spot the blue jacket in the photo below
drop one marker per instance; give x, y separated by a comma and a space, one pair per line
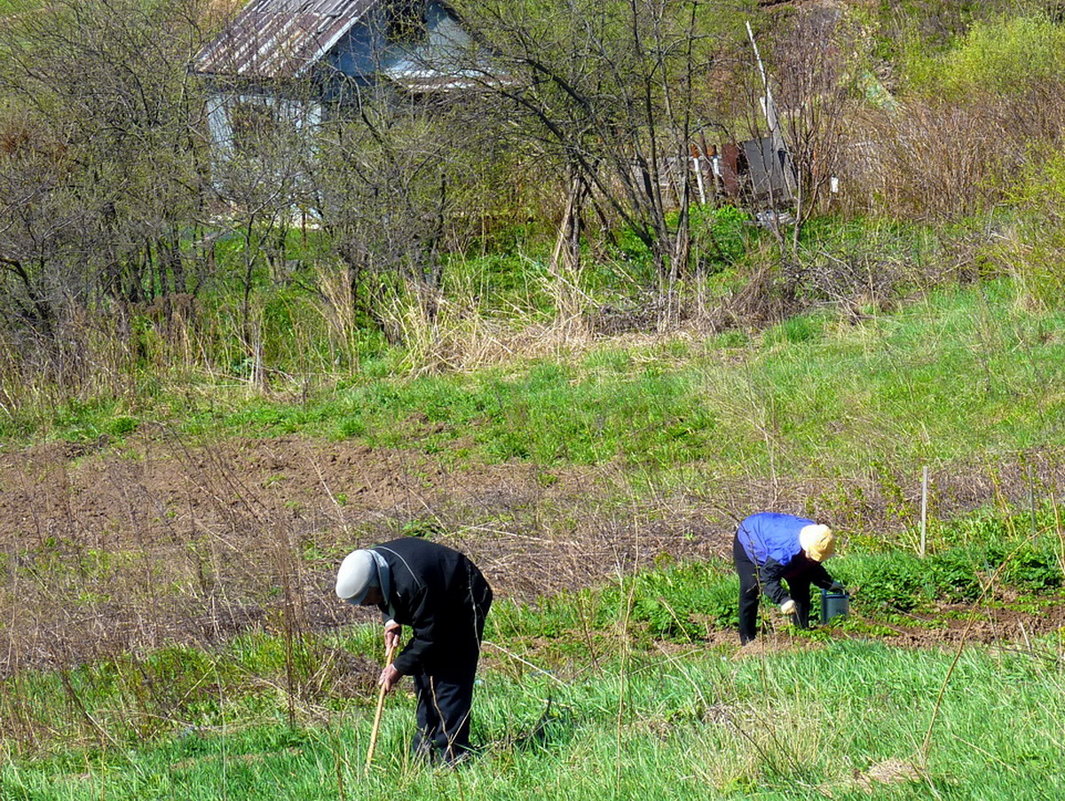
771, 541
769, 535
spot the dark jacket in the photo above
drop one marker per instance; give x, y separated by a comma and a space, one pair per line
442, 596
771, 541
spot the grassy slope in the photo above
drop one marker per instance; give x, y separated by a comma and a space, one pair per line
963, 372
815, 724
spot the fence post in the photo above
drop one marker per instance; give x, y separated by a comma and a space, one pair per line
697, 163
924, 509
1031, 504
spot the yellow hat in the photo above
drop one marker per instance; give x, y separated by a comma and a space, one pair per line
817, 541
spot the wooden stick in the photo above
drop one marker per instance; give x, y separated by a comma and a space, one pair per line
924, 508
377, 714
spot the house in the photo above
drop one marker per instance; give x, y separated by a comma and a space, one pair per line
304, 60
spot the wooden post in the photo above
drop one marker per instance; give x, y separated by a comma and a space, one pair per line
377, 716
924, 509
1031, 504
697, 164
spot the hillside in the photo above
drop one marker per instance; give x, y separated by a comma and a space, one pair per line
536, 321
160, 561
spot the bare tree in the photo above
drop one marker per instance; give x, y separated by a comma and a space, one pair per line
792, 99
608, 89
106, 177
402, 184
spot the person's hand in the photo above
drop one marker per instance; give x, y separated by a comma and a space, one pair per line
788, 607
388, 678
392, 632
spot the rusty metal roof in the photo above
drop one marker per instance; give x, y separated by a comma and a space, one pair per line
279, 38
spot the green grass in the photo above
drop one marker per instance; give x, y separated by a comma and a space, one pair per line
608, 692
962, 372
694, 726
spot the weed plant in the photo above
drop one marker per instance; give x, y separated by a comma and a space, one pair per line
580, 696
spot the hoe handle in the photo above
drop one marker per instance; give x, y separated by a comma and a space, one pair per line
377, 714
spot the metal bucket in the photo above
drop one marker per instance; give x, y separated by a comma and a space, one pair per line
834, 604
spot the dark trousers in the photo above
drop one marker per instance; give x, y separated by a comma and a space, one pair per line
445, 691
751, 591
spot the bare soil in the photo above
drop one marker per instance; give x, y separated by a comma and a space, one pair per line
157, 541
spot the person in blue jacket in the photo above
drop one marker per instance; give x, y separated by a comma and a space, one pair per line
772, 547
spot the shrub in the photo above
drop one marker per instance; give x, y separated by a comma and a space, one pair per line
1030, 250
719, 235
1033, 567
953, 576
979, 113
1002, 57
890, 581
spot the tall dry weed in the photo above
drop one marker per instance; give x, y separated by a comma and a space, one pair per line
928, 161
337, 308
944, 158
454, 332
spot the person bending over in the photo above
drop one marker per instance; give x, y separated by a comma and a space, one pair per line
770, 548
443, 597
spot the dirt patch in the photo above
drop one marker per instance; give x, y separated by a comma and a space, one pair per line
768, 645
951, 624
890, 771
106, 549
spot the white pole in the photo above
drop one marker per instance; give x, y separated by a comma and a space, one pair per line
697, 162
924, 508
769, 108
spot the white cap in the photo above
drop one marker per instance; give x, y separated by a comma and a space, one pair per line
357, 574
